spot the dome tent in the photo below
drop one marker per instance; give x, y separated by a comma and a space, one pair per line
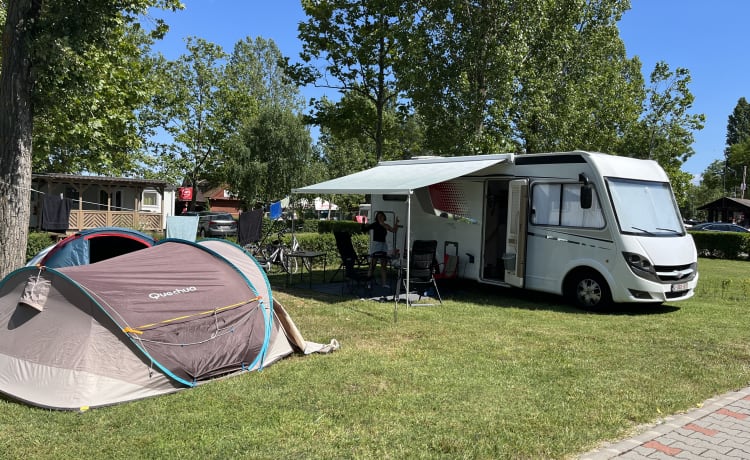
92, 245
145, 323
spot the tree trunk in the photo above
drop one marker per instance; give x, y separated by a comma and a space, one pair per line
16, 126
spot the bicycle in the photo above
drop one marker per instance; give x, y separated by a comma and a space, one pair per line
257, 248
297, 248
274, 256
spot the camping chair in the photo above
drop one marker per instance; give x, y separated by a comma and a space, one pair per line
354, 275
449, 267
346, 251
422, 268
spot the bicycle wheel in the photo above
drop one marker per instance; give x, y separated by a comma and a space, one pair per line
289, 264
296, 247
264, 258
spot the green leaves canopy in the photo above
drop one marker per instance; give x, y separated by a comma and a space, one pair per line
528, 76
45, 49
270, 156
91, 76
357, 44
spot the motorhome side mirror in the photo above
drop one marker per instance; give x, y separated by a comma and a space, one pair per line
586, 196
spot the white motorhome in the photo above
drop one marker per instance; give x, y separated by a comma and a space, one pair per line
590, 226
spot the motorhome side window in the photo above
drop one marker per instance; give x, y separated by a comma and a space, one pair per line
560, 205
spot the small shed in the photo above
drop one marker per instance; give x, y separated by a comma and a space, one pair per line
75, 203
726, 209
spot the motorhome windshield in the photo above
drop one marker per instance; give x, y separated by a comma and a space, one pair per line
644, 208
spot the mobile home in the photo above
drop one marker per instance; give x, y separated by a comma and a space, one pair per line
594, 227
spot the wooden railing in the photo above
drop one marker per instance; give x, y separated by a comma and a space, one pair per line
144, 221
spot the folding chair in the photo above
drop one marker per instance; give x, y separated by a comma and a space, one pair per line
347, 253
351, 263
422, 268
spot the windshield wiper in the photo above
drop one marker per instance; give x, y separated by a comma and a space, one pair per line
642, 230
669, 230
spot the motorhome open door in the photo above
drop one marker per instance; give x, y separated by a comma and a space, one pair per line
514, 258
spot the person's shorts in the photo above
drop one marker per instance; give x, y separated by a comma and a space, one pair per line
379, 249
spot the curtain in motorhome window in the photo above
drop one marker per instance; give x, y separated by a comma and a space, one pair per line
545, 202
560, 204
573, 215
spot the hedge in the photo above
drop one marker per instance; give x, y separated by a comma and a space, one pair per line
36, 243
722, 245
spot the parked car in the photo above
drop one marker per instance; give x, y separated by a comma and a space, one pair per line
214, 223
689, 223
720, 227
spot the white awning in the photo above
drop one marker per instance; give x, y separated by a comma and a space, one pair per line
397, 177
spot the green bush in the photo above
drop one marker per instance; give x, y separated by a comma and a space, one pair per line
325, 242
722, 245
36, 242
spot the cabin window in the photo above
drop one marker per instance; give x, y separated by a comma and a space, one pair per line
560, 205
150, 199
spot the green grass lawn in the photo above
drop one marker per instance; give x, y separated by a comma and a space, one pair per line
489, 374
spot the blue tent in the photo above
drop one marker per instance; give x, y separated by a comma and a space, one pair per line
92, 245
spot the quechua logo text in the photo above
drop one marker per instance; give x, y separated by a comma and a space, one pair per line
178, 291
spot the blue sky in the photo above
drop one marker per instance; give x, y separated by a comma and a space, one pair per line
708, 38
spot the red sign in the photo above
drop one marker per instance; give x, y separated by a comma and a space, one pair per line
185, 193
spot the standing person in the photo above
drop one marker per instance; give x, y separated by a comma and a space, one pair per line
379, 246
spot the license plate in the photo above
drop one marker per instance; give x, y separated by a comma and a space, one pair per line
679, 287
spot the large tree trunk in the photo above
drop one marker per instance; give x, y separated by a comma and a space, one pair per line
16, 127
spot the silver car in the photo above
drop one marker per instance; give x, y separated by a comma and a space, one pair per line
215, 223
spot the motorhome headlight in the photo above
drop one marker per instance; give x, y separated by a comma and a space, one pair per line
641, 266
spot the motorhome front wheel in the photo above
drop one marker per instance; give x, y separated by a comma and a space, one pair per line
589, 290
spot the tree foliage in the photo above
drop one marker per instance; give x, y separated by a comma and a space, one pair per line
738, 126
520, 76
254, 78
87, 120
665, 129
87, 95
271, 155
211, 103
738, 157
192, 111
502, 75
666, 125
268, 149
738, 138
459, 66
356, 42
46, 47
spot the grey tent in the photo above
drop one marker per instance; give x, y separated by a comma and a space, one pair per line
145, 323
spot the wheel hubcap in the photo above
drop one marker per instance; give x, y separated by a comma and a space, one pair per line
589, 292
